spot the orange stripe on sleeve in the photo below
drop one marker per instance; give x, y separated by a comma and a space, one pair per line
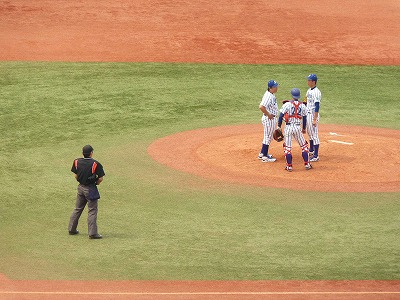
94, 167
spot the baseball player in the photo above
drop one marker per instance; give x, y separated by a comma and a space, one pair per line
269, 108
295, 127
313, 98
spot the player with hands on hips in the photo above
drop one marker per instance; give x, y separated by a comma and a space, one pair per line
269, 108
296, 122
313, 97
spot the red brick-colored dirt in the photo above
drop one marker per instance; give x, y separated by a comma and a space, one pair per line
229, 153
223, 31
196, 290
226, 31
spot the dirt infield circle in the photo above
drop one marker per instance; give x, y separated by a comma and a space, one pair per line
353, 159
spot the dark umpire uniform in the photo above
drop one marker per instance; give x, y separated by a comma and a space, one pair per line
89, 173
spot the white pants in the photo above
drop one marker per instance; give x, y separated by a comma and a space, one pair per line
312, 130
294, 131
269, 127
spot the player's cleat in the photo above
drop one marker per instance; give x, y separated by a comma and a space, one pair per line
260, 156
289, 168
314, 158
308, 166
95, 236
268, 158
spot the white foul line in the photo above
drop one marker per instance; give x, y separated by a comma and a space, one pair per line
196, 293
340, 142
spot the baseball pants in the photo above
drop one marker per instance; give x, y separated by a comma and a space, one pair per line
269, 127
294, 131
312, 131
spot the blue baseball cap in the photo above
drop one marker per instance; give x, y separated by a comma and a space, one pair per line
295, 93
272, 83
312, 77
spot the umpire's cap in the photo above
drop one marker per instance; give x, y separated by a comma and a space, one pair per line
272, 83
86, 150
295, 93
312, 77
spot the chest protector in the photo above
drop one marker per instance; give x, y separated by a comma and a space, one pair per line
293, 113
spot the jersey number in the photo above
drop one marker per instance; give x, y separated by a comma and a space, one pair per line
295, 112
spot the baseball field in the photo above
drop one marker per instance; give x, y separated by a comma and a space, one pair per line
167, 93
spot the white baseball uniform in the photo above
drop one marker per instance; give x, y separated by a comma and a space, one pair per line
313, 96
295, 111
271, 105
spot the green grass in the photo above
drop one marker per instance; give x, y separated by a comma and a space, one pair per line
159, 223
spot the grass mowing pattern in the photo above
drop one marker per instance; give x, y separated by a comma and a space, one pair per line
162, 224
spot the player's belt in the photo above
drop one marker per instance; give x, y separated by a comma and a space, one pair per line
292, 123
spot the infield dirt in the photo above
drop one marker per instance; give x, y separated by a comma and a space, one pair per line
229, 31
229, 153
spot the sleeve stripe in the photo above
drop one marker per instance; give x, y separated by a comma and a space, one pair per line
94, 167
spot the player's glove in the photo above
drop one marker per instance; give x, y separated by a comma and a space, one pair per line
278, 135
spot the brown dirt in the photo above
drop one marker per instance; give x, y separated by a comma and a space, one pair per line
231, 31
350, 158
196, 290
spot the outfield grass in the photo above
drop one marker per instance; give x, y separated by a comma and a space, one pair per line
159, 223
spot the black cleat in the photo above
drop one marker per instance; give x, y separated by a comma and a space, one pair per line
95, 236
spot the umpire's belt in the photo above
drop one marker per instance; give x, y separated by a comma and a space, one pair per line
87, 185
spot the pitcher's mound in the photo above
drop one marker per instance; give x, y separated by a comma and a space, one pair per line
352, 159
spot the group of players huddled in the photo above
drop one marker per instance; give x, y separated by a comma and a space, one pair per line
299, 117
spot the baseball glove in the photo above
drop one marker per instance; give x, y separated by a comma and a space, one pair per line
278, 135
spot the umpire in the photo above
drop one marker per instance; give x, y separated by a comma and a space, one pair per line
89, 173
